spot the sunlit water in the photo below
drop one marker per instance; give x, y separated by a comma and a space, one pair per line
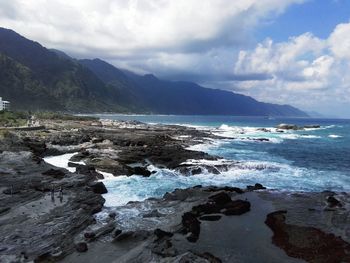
307, 160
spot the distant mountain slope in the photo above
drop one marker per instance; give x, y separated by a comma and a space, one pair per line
34, 77
179, 97
74, 87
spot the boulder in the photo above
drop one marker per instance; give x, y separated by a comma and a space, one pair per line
58, 174
81, 247
284, 126
98, 188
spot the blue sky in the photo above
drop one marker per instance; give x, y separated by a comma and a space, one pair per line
280, 51
317, 16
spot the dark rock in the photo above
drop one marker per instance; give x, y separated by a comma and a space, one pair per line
333, 202
236, 207
81, 247
116, 232
287, 127
98, 187
210, 257
255, 187
221, 198
210, 217
112, 214
89, 235
58, 174
307, 243
162, 234
153, 213
123, 236
11, 191
138, 170
89, 171
225, 188
197, 170
191, 225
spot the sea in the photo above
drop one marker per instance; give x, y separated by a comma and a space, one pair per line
313, 159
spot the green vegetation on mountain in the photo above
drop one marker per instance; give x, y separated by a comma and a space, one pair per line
33, 77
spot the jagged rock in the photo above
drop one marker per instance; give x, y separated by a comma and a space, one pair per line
161, 233
333, 202
236, 207
307, 243
98, 187
257, 186
138, 170
191, 225
284, 126
59, 174
221, 198
81, 247
210, 217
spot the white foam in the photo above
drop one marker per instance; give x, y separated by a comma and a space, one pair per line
334, 136
61, 161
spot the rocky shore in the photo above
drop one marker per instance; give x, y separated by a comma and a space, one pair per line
49, 214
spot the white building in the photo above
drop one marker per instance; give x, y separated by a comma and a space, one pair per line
4, 105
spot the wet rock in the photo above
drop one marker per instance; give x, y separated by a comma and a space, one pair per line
210, 257
138, 170
284, 126
221, 198
89, 235
153, 213
307, 243
236, 207
58, 174
257, 186
191, 225
11, 191
162, 234
225, 188
116, 232
81, 247
333, 202
89, 171
210, 217
98, 187
123, 236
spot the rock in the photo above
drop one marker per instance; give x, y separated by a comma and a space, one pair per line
153, 213
89, 235
123, 236
284, 126
191, 225
89, 171
221, 198
333, 202
81, 247
210, 218
307, 243
116, 232
255, 187
161, 233
98, 188
59, 174
11, 191
138, 170
112, 215
197, 170
210, 257
236, 207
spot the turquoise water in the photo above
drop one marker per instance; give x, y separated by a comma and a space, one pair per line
307, 160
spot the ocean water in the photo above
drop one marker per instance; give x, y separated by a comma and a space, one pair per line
305, 160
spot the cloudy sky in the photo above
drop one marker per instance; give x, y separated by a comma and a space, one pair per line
280, 51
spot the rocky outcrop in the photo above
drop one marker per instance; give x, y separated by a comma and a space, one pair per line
307, 243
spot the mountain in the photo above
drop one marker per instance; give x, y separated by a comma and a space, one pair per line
70, 85
180, 97
33, 77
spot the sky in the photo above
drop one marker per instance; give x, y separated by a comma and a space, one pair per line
293, 52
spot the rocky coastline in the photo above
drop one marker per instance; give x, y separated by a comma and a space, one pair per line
49, 214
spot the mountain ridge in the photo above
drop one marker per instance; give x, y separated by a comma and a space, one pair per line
94, 85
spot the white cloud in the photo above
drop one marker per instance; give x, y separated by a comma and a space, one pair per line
305, 71
123, 27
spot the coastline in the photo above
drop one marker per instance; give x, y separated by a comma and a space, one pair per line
128, 148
